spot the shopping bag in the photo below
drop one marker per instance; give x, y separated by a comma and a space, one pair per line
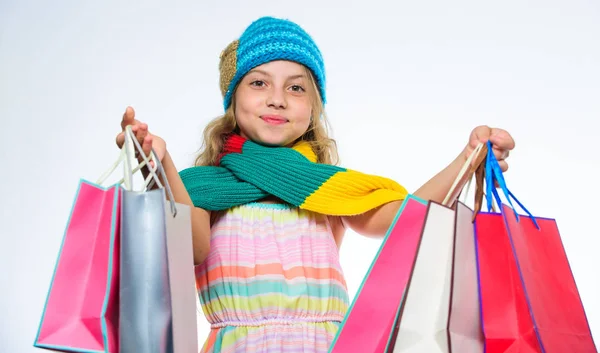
82, 306
80, 313
369, 320
529, 299
464, 323
424, 323
423, 316
157, 306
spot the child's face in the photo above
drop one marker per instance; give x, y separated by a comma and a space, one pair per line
273, 103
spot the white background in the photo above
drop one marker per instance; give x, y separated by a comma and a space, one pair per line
407, 81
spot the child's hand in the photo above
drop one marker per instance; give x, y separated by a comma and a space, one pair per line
145, 138
502, 143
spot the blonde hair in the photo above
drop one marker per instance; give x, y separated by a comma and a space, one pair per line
317, 134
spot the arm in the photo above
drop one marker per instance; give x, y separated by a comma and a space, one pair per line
375, 223
200, 217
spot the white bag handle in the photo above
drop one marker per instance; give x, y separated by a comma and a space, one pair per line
132, 146
449, 199
111, 169
153, 175
126, 156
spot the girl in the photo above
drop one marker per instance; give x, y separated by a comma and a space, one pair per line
270, 207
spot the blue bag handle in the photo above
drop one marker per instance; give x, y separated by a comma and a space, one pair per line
493, 174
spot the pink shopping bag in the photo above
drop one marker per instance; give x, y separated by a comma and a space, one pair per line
81, 310
370, 319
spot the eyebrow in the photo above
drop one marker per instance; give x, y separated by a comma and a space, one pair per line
267, 74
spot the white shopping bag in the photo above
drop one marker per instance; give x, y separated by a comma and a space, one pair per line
443, 281
423, 317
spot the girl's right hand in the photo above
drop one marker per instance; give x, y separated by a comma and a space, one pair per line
145, 138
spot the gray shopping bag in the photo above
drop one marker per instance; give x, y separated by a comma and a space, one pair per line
157, 299
464, 326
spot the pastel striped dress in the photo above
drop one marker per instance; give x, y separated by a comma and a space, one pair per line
272, 282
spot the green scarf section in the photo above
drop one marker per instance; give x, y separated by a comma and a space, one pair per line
248, 172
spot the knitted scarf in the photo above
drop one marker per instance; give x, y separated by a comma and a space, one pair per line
248, 172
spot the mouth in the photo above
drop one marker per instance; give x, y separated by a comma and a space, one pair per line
273, 119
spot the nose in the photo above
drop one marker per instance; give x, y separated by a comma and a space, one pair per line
276, 99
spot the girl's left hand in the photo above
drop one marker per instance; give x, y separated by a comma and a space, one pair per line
502, 143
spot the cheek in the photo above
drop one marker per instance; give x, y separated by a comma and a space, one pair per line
306, 121
304, 115
248, 100
246, 108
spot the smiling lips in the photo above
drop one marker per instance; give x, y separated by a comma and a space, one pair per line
274, 119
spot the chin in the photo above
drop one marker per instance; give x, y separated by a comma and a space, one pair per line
274, 140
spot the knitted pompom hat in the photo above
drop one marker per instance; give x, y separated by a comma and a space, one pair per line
268, 39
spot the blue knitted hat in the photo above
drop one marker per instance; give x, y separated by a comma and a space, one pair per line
268, 39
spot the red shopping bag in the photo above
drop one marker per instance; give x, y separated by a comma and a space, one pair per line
81, 310
529, 298
370, 319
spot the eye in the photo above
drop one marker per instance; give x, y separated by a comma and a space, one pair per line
297, 88
257, 83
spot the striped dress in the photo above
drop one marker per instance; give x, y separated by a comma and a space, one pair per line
272, 282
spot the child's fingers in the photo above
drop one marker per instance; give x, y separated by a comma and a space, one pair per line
141, 132
128, 117
147, 145
120, 139
503, 166
500, 154
502, 139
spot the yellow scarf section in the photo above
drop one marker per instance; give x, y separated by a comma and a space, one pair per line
349, 192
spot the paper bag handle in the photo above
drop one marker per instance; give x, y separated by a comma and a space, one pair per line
128, 145
475, 159
153, 176
126, 155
